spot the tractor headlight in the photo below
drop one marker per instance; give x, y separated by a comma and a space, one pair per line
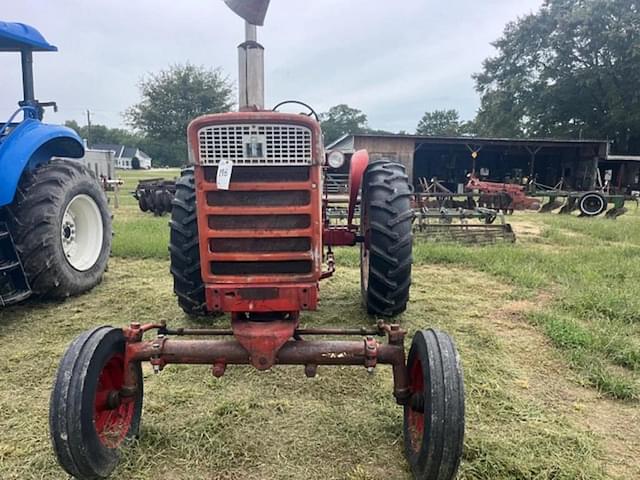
335, 159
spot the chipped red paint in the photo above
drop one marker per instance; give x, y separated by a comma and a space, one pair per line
263, 339
265, 284
112, 412
277, 342
279, 297
339, 237
517, 193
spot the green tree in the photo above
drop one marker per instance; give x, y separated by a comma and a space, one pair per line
340, 120
572, 69
441, 122
170, 100
103, 134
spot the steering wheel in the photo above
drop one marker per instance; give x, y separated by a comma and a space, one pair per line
297, 102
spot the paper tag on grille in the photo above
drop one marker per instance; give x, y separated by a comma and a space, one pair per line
225, 167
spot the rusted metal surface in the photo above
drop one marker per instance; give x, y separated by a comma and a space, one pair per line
262, 297
263, 339
265, 342
222, 332
222, 353
340, 237
454, 225
265, 232
503, 196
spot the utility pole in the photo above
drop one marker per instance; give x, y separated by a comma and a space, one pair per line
88, 128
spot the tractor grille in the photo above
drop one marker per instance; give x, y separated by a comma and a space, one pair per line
262, 226
255, 145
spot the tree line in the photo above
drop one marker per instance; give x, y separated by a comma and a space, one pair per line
570, 70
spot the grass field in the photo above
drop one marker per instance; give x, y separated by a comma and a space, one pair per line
548, 330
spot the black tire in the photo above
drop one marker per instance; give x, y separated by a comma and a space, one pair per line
86, 437
185, 249
36, 222
150, 200
385, 255
167, 199
436, 407
592, 204
142, 202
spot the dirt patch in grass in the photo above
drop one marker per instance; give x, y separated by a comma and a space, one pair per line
525, 229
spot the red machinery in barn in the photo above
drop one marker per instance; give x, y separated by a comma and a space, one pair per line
250, 237
502, 196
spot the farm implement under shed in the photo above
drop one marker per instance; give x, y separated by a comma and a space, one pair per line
250, 236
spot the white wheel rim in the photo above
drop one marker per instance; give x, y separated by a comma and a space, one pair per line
82, 232
592, 211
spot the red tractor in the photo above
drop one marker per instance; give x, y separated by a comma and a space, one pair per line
502, 196
250, 237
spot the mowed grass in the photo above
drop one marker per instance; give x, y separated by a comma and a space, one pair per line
590, 273
542, 327
344, 424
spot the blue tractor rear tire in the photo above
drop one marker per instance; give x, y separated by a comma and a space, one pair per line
37, 219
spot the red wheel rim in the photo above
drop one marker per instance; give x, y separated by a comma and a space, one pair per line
416, 418
112, 422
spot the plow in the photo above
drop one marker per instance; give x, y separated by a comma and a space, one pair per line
480, 226
251, 238
509, 197
444, 216
155, 195
477, 215
589, 204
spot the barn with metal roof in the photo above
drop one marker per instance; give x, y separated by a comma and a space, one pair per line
451, 159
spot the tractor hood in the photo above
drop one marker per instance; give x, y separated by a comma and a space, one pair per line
15, 37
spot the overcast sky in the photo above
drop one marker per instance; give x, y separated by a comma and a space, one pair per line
392, 59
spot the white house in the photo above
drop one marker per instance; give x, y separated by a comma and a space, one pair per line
127, 158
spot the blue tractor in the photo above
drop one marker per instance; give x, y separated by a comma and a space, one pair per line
55, 224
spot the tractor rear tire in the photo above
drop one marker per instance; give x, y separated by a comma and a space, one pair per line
89, 419
385, 256
184, 247
61, 225
434, 415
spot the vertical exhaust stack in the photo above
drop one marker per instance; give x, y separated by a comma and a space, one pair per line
251, 67
251, 53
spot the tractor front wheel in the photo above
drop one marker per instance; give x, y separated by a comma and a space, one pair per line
90, 414
61, 225
385, 255
434, 415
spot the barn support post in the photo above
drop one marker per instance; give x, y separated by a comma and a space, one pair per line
532, 163
475, 150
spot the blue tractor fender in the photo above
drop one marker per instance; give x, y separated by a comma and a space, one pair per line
30, 144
